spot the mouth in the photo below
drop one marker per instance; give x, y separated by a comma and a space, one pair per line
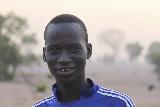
65, 71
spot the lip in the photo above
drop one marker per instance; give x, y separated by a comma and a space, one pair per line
65, 73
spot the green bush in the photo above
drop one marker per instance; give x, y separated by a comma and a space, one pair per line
41, 88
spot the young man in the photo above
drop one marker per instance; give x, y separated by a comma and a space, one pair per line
66, 52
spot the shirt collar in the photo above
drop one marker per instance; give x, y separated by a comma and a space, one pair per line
84, 92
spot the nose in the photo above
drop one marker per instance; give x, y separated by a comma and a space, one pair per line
64, 58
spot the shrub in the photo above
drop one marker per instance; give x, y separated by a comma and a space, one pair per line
41, 88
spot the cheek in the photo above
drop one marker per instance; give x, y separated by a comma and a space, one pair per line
50, 58
51, 66
80, 62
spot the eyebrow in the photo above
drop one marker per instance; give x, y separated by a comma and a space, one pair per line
51, 46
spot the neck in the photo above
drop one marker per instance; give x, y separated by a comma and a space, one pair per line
71, 91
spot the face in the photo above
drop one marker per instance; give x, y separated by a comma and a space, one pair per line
66, 51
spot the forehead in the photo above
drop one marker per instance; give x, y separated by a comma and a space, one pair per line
68, 26
61, 31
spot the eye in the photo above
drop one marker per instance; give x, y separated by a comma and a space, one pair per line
53, 50
75, 49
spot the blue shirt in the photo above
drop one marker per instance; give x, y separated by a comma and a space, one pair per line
95, 96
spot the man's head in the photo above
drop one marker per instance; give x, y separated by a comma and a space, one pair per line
67, 48
68, 18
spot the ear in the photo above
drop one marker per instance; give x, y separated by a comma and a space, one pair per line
44, 54
89, 50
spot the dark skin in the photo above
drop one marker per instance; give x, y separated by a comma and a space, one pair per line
66, 52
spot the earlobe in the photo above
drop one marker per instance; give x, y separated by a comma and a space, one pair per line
44, 54
89, 50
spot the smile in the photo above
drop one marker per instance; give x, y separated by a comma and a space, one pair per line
65, 70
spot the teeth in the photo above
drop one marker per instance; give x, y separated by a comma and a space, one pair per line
62, 70
65, 70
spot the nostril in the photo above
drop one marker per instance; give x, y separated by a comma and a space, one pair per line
64, 59
64, 63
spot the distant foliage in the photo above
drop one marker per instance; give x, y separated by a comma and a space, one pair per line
134, 50
10, 58
14, 39
112, 38
41, 88
107, 59
153, 55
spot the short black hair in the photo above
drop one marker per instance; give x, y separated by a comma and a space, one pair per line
68, 18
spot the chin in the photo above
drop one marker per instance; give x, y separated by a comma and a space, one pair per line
68, 80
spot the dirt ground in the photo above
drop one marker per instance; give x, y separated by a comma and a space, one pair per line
142, 87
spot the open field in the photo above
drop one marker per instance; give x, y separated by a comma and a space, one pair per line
22, 91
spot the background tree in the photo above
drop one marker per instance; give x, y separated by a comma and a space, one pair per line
14, 37
134, 50
153, 56
112, 38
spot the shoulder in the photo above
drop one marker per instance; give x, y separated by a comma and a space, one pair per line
43, 101
116, 96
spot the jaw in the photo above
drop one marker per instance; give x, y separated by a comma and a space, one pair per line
70, 78
71, 74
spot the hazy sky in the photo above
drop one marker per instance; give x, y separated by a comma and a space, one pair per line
138, 19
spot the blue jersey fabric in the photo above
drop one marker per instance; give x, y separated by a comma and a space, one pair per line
95, 96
